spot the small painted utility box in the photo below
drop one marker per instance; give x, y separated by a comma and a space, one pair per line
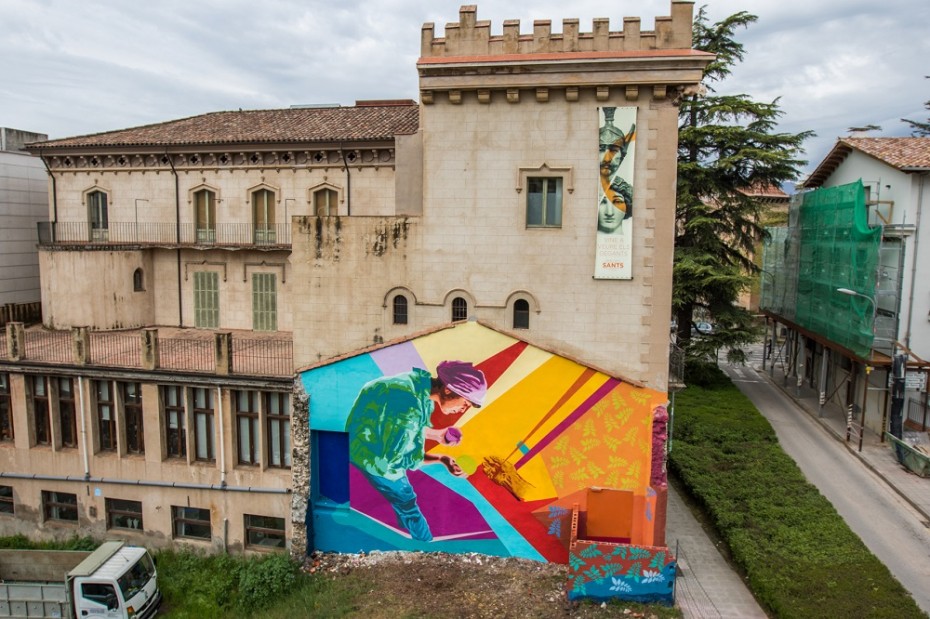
602, 566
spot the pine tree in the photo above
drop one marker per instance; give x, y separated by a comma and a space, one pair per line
920, 129
728, 144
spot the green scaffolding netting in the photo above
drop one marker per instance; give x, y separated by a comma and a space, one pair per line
827, 246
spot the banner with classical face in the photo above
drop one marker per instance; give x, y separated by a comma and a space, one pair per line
616, 155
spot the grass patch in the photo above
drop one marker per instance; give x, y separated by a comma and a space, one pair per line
800, 557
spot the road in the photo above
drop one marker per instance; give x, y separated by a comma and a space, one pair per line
888, 525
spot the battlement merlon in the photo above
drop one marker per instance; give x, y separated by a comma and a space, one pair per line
472, 38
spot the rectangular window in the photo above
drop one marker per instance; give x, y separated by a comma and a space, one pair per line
205, 215
124, 514
106, 418
6, 499
246, 403
59, 506
278, 409
40, 410
172, 398
190, 522
264, 531
132, 407
207, 299
263, 202
203, 424
67, 411
264, 302
6, 411
544, 202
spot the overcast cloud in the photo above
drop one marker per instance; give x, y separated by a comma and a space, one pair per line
76, 67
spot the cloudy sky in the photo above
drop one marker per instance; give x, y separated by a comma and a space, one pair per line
72, 67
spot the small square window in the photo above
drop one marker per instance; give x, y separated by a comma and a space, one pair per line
124, 514
191, 522
264, 531
59, 506
6, 500
544, 202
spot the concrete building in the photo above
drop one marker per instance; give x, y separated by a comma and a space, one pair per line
23, 203
848, 283
532, 188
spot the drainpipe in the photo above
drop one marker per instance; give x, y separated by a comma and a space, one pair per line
219, 404
143, 483
177, 233
83, 428
348, 181
910, 296
54, 194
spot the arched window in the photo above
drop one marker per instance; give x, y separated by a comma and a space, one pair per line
521, 314
400, 310
205, 215
325, 202
98, 215
459, 309
263, 216
138, 280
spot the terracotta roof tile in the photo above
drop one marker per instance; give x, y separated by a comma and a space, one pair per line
897, 152
294, 125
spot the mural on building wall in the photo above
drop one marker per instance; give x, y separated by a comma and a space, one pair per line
468, 440
616, 154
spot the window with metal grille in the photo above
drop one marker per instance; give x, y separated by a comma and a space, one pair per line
459, 309
6, 499
190, 522
98, 215
544, 202
278, 411
264, 302
124, 514
106, 420
204, 437
40, 410
521, 314
325, 202
246, 403
6, 412
132, 409
59, 506
263, 216
205, 215
400, 310
207, 299
172, 398
264, 531
67, 412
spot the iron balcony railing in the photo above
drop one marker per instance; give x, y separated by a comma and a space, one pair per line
163, 234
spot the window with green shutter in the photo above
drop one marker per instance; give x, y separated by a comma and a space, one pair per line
264, 302
207, 299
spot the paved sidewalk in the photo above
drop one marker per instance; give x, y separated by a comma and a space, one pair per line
706, 587
876, 455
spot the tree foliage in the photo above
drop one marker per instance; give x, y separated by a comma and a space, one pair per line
920, 129
728, 145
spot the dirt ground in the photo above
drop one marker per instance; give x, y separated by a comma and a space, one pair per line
467, 586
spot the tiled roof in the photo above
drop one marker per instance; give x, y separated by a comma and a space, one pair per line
760, 190
367, 121
900, 153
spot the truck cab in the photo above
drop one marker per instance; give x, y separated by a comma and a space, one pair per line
115, 581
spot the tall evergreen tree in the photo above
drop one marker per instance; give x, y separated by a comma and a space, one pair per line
728, 144
920, 129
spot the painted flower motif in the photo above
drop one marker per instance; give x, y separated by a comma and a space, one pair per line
620, 585
652, 576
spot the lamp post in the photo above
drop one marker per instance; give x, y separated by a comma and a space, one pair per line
853, 293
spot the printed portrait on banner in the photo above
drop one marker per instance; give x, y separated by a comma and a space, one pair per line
616, 155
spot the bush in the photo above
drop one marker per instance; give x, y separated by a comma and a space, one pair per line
800, 557
21, 542
265, 581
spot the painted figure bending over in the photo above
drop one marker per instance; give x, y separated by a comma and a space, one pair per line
389, 424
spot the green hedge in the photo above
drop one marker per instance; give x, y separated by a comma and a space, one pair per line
800, 557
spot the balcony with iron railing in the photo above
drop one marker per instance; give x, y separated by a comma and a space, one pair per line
194, 351
164, 234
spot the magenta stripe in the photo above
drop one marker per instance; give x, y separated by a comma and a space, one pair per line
593, 399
